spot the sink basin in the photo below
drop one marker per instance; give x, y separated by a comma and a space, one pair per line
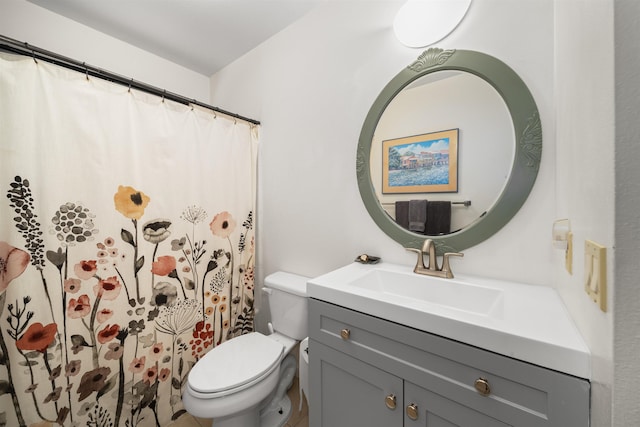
526, 322
450, 293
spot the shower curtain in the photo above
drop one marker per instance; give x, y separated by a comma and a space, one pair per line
126, 246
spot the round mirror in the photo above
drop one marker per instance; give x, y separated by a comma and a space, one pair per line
450, 150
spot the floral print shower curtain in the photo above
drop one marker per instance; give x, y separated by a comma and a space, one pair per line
126, 246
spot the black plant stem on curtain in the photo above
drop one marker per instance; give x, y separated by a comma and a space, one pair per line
23, 48
7, 363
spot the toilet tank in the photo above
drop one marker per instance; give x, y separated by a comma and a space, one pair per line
288, 303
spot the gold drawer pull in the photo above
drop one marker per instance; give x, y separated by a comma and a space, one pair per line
345, 334
482, 386
390, 401
412, 411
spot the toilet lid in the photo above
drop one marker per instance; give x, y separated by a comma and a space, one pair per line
235, 362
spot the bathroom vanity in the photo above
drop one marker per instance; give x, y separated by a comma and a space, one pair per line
370, 366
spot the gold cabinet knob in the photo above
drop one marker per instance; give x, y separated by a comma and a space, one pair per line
482, 386
345, 334
412, 411
390, 401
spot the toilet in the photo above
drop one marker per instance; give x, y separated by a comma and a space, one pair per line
244, 381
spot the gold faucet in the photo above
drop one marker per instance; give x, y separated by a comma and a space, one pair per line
428, 247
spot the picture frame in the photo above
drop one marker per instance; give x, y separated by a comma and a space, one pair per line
425, 163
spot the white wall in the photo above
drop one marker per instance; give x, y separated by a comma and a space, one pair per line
26, 22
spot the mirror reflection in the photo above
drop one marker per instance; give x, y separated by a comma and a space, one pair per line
442, 152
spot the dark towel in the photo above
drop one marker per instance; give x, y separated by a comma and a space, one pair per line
417, 215
402, 213
438, 218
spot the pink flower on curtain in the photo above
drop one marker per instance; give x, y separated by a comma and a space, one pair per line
13, 262
104, 315
79, 308
108, 289
137, 364
150, 375
85, 269
164, 265
115, 352
72, 368
37, 337
164, 374
156, 351
222, 225
72, 285
130, 202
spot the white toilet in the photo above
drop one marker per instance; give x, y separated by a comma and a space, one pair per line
244, 381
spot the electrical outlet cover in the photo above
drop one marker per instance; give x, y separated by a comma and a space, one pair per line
595, 273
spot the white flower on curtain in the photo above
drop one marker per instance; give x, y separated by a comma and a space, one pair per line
106, 303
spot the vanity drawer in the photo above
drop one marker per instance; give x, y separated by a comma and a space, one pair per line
520, 393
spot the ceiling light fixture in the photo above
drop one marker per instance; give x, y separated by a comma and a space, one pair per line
420, 23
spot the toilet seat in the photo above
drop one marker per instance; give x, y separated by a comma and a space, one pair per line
235, 365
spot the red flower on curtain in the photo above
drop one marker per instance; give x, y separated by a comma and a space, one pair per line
108, 289
37, 337
108, 333
164, 265
13, 262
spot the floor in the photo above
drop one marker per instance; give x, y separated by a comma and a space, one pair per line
297, 419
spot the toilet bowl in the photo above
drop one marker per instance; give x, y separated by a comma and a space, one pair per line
243, 382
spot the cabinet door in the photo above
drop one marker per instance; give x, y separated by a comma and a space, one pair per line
346, 392
432, 410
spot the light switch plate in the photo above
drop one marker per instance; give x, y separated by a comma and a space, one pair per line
595, 273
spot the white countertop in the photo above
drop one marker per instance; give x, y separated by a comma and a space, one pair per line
525, 322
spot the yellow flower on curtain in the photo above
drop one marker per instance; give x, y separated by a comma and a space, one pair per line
130, 202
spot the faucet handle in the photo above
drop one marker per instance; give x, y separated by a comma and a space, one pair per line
445, 263
420, 262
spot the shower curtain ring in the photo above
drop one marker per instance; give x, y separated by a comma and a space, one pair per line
33, 52
86, 70
130, 83
163, 94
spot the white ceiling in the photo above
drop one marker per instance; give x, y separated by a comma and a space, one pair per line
202, 35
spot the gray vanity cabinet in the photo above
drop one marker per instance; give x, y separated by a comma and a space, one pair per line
367, 372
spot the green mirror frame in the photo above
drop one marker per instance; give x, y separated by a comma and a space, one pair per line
526, 161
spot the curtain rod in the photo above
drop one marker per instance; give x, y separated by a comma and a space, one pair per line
23, 48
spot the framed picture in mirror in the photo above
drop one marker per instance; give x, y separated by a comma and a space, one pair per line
426, 163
